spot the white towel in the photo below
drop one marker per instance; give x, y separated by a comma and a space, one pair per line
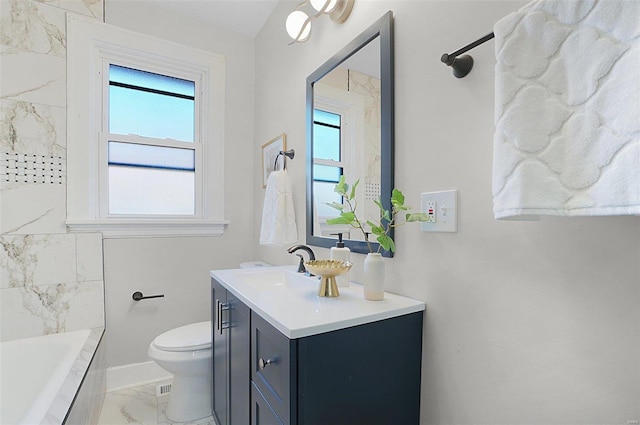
567, 109
278, 217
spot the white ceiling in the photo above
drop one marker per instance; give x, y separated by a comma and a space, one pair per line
242, 16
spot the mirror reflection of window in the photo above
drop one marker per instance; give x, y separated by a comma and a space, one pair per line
327, 161
346, 140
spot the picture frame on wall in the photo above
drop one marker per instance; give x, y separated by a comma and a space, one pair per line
270, 151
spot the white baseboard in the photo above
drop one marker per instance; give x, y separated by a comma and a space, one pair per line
135, 374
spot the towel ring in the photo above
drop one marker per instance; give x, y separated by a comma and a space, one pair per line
289, 153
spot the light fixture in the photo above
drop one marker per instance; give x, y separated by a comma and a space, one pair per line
298, 22
298, 26
324, 5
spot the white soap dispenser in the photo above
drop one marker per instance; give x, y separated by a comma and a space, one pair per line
342, 253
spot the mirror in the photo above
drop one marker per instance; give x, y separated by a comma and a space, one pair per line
350, 131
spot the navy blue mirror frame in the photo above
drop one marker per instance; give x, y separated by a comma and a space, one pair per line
382, 28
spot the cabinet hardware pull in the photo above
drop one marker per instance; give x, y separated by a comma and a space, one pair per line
220, 307
262, 363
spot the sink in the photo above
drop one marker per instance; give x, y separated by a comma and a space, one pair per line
272, 279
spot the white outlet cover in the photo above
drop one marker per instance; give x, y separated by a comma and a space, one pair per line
446, 202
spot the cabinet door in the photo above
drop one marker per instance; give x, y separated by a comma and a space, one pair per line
220, 357
363, 375
239, 335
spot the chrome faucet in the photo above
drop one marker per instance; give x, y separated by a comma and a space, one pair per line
312, 256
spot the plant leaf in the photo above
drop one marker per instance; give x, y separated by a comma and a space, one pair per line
416, 217
344, 218
387, 243
341, 187
397, 199
375, 228
353, 190
338, 206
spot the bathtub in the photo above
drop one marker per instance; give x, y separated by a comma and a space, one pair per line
41, 378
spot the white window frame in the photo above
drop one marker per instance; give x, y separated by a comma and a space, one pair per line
91, 47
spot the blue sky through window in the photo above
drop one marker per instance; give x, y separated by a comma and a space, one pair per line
151, 105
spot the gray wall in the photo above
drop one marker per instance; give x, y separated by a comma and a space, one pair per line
527, 322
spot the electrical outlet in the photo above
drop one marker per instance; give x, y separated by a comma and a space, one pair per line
442, 210
431, 212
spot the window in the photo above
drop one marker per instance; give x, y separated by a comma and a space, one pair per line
338, 133
145, 134
327, 160
155, 172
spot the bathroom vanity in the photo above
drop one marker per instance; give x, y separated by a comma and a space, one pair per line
283, 355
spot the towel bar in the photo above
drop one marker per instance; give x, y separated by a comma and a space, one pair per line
462, 65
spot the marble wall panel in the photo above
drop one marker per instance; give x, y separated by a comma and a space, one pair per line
33, 77
32, 208
30, 260
94, 8
50, 280
45, 309
89, 256
32, 128
33, 27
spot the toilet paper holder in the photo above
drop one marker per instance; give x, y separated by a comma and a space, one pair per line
137, 296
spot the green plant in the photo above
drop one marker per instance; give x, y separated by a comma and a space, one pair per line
387, 219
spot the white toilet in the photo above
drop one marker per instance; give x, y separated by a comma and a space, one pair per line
186, 353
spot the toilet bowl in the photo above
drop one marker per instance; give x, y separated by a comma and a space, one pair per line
185, 352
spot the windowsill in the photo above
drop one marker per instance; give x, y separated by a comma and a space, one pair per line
149, 228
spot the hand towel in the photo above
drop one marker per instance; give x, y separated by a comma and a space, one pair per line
278, 217
567, 109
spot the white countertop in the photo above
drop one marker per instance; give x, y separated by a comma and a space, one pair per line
294, 308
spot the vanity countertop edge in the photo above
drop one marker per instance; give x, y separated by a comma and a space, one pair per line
299, 313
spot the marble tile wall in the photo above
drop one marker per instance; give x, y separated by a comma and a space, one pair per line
50, 280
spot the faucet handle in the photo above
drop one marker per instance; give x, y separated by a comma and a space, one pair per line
301, 267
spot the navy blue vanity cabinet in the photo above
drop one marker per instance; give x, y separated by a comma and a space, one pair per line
367, 374
230, 382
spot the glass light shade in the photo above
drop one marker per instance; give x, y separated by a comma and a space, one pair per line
295, 22
319, 4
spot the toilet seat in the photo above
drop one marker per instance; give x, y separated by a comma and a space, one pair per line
196, 336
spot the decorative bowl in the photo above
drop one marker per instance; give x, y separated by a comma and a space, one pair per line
328, 270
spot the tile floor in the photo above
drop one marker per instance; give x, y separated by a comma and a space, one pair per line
140, 405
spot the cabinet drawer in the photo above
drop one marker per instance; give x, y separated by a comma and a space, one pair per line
273, 366
261, 411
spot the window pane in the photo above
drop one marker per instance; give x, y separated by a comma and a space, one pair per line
149, 80
151, 156
135, 190
151, 105
147, 179
323, 193
325, 117
327, 173
326, 142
